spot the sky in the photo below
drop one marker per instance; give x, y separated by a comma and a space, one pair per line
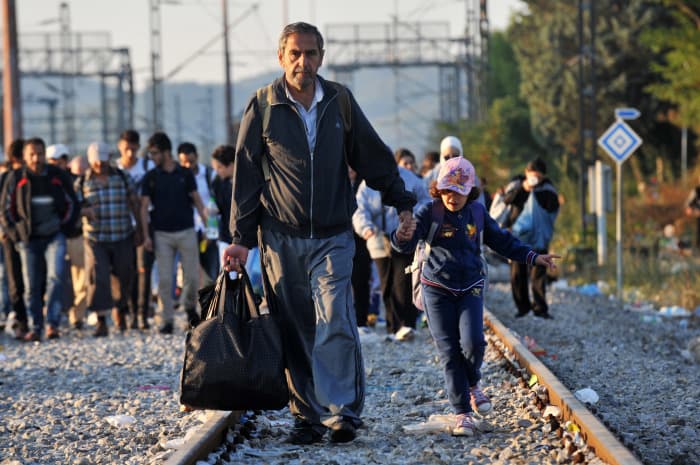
187, 25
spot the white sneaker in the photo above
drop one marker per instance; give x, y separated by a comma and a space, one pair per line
405, 333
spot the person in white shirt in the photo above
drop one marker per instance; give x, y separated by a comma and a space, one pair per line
203, 175
130, 163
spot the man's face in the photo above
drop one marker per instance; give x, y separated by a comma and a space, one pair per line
300, 59
222, 170
157, 155
34, 157
187, 160
128, 150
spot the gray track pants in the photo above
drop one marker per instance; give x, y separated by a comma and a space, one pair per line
311, 292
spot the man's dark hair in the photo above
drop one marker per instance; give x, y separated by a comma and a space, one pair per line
130, 136
538, 165
14, 151
187, 148
299, 28
224, 154
35, 141
160, 141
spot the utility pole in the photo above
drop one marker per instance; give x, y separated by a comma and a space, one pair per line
227, 75
156, 67
67, 75
12, 106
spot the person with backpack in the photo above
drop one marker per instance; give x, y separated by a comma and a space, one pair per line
38, 207
203, 176
534, 205
291, 186
168, 198
108, 204
452, 281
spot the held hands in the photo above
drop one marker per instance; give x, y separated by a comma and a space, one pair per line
407, 226
235, 257
547, 260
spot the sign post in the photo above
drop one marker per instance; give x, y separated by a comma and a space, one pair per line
620, 142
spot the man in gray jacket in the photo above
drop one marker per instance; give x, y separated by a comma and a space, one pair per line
296, 139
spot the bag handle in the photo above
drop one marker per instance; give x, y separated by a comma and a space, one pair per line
217, 305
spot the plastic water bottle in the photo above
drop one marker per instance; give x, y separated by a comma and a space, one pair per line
212, 228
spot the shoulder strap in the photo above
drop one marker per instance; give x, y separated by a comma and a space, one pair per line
343, 97
264, 96
437, 213
122, 175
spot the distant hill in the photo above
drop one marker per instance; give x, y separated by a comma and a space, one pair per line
195, 111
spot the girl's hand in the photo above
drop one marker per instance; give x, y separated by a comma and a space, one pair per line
547, 260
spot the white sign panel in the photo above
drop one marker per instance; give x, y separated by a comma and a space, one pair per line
620, 141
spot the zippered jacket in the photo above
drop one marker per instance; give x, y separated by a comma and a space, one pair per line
16, 201
454, 262
308, 193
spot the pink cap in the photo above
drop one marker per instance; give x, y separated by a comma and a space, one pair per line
456, 174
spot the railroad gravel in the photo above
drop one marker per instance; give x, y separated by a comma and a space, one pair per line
645, 368
79, 400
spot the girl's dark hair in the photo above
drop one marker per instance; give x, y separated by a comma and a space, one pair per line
435, 192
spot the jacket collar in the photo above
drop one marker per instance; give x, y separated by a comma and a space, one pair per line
279, 94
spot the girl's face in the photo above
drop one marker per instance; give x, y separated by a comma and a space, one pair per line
453, 201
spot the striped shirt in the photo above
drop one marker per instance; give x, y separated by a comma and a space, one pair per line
109, 200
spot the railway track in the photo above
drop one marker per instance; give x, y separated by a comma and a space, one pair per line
523, 389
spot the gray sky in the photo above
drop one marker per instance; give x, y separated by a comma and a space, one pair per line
189, 24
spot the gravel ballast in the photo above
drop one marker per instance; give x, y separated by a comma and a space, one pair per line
80, 400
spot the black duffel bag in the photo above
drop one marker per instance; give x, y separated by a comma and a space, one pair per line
233, 359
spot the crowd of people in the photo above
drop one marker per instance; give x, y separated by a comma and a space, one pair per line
313, 191
84, 233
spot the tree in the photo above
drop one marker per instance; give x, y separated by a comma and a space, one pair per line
545, 39
680, 67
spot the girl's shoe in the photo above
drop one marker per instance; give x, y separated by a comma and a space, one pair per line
479, 401
464, 425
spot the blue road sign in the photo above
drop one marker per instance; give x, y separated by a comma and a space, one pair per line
627, 113
619, 141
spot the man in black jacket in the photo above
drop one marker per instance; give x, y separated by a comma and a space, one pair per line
296, 140
38, 207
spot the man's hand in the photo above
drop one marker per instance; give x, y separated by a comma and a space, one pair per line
234, 257
148, 243
547, 260
407, 226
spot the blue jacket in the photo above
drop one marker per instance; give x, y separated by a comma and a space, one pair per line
454, 262
535, 224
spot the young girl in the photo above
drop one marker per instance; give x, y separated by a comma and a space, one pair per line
453, 281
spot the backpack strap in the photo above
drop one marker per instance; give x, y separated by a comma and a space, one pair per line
437, 213
264, 97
